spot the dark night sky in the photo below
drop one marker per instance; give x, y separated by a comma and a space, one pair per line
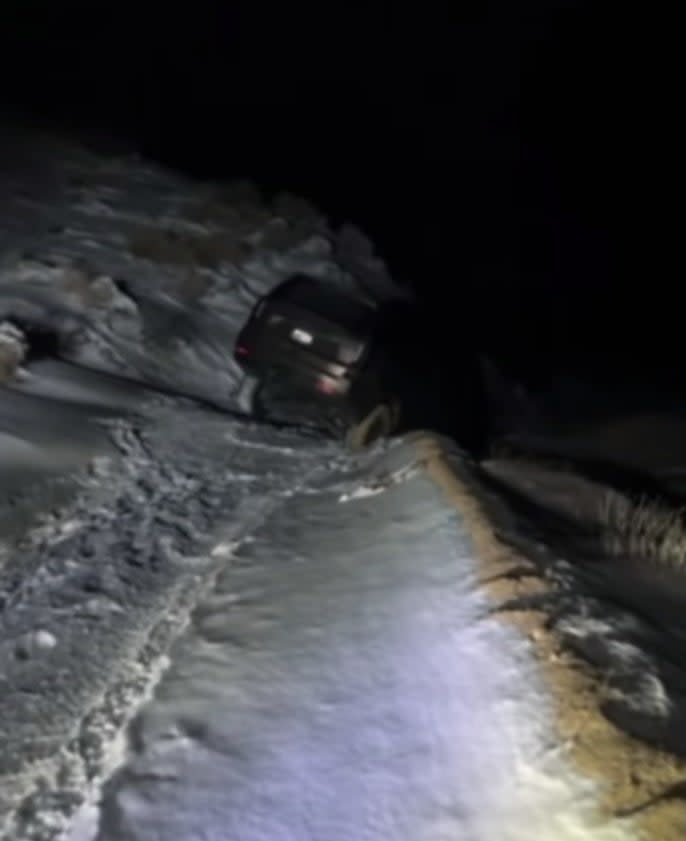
509, 159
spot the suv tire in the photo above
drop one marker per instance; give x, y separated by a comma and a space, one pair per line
377, 424
248, 397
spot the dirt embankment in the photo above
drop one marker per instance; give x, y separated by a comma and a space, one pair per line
634, 778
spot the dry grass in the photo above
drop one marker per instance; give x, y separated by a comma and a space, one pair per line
180, 248
91, 290
633, 778
237, 207
645, 530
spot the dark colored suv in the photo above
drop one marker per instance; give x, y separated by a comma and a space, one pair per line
311, 353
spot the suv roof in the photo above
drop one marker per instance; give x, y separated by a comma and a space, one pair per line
321, 299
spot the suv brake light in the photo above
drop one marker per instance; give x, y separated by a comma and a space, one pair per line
329, 385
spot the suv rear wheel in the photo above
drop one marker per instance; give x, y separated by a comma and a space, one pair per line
396, 414
377, 424
248, 396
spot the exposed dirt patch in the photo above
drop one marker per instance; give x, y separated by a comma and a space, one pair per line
182, 248
90, 290
237, 207
13, 349
634, 779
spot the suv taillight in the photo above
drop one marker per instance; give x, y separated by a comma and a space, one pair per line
330, 385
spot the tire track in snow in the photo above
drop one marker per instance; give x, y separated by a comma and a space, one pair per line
113, 586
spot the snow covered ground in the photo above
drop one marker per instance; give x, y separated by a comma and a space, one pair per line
215, 629
341, 679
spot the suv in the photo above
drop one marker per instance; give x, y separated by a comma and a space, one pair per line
313, 349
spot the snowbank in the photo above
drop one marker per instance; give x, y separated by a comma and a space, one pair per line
140, 271
343, 678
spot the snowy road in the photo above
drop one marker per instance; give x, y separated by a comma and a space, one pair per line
305, 641
234, 632
341, 679
100, 588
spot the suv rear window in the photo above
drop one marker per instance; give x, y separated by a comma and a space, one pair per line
329, 304
332, 345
